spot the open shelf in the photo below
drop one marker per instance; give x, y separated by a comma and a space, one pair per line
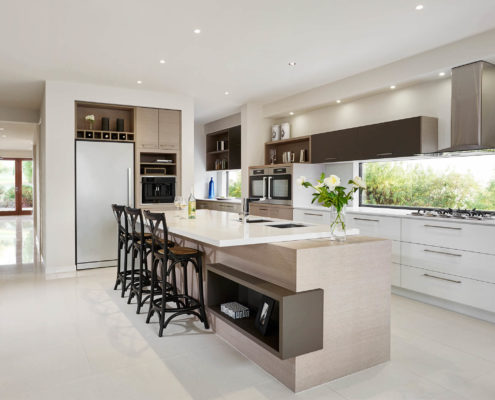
149, 164
296, 323
110, 111
105, 135
230, 156
294, 145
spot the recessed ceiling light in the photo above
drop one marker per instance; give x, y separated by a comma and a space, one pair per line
392, 87
419, 7
338, 101
162, 61
292, 63
1, 129
291, 113
197, 31
139, 82
441, 74
4, 136
226, 93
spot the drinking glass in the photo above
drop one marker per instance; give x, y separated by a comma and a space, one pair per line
183, 203
177, 201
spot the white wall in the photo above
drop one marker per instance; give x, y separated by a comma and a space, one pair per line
16, 153
223, 123
57, 131
14, 114
255, 131
200, 179
429, 99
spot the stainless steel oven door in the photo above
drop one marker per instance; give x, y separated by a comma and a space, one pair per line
257, 187
280, 189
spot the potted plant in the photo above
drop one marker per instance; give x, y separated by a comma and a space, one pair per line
329, 193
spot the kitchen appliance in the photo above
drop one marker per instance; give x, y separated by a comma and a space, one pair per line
156, 189
271, 185
455, 214
104, 176
473, 102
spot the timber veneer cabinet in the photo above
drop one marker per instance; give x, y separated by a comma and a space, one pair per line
159, 129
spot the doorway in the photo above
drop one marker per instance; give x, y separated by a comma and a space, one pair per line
16, 186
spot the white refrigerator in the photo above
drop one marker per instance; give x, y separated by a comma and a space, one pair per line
104, 176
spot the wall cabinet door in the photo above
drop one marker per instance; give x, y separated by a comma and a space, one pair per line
147, 127
390, 139
334, 146
169, 129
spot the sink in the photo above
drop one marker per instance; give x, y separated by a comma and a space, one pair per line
290, 225
257, 221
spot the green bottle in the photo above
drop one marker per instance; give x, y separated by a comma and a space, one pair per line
191, 205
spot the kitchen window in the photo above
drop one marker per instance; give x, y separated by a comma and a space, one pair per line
465, 182
234, 183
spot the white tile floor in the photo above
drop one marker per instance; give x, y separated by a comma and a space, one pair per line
75, 338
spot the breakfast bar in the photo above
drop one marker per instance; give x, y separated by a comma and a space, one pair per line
331, 299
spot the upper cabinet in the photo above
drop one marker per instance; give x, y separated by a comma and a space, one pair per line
400, 138
169, 128
223, 149
158, 129
334, 146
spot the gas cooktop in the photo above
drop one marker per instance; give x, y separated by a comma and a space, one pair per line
455, 213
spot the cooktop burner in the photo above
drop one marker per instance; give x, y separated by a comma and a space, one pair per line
457, 214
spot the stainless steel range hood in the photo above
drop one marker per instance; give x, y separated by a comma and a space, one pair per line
473, 107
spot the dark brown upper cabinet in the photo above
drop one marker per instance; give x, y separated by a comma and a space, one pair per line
228, 156
334, 146
400, 138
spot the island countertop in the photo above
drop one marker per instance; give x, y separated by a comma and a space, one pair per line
223, 229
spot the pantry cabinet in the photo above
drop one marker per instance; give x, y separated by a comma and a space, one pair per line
158, 129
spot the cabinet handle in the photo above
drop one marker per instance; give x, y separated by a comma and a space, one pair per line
384, 154
442, 279
330, 158
366, 219
442, 252
443, 227
148, 146
263, 209
316, 215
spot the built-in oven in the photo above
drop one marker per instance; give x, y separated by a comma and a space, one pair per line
271, 185
158, 189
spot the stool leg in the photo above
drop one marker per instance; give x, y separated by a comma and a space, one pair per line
201, 295
164, 299
119, 272
154, 279
133, 270
186, 285
124, 274
139, 295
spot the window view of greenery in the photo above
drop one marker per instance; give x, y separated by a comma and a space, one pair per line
7, 185
234, 183
453, 182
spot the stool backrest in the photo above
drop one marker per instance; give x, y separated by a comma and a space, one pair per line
158, 229
119, 212
136, 223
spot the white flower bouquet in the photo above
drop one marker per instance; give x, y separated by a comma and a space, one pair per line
330, 193
91, 119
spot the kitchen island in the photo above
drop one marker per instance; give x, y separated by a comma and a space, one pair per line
332, 299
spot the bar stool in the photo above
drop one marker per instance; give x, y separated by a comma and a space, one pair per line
123, 243
140, 278
184, 302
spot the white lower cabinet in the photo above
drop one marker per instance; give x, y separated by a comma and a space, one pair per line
376, 226
449, 287
396, 281
461, 263
320, 217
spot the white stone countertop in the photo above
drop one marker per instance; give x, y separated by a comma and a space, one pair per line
223, 229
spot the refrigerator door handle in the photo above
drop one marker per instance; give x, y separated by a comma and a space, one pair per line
129, 186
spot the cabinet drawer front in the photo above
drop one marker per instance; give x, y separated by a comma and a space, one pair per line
312, 216
260, 211
449, 287
280, 212
396, 251
229, 207
455, 262
395, 274
371, 225
479, 238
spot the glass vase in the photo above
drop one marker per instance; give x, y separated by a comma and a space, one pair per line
337, 224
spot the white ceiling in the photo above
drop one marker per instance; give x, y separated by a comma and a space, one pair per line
244, 46
17, 135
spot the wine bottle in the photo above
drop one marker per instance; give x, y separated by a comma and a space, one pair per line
191, 205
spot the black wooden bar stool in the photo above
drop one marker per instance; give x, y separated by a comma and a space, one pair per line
140, 278
124, 241
183, 301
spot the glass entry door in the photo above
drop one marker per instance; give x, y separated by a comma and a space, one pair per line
16, 186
